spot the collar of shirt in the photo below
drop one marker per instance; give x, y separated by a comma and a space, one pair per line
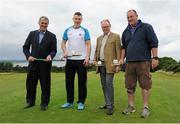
133, 29
107, 34
41, 35
76, 27
137, 25
42, 31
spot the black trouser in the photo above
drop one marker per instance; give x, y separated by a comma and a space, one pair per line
42, 71
73, 66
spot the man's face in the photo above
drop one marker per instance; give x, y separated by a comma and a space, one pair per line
132, 18
43, 24
77, 20
105, 27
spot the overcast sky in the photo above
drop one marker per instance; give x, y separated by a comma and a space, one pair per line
19, 17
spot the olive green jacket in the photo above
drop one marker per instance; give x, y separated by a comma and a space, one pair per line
111, 51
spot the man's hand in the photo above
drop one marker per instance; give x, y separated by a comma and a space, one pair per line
65, 54
121, 61
86, 61
116, 70
154, 63
31, 59
94, 62
48, 58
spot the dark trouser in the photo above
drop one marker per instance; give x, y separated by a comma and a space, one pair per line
107, 87
42, 71
73, 66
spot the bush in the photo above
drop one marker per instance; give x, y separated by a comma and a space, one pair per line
18, 68
6, 66
57, 69
167, 64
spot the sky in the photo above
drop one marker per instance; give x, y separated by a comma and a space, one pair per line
19, 17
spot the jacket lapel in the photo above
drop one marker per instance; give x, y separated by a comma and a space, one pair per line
108, 39
36, 38
100, 41
99, 45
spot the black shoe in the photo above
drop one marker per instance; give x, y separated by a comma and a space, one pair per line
28, 105
44, 107
103, 107
109, 111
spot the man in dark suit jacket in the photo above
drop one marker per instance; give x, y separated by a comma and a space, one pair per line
43, 46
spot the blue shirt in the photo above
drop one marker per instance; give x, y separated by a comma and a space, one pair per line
133, 29
41, 36
138, 42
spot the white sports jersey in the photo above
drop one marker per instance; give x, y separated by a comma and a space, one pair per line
76, 38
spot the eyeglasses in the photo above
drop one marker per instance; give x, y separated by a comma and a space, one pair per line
105, 26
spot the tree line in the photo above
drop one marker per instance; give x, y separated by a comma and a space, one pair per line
167, 64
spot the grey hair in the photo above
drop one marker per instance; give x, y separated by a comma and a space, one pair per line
132, 10
44, 17
106, 20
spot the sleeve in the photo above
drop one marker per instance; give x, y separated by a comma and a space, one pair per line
118, 47
96, 50
53, 47
123, 42
65, 35
151, 37
87, 35
26, 46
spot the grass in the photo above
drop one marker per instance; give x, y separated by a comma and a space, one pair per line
164, 102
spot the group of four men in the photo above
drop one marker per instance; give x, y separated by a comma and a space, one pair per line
138, 45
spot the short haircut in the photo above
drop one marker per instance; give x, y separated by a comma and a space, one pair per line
44, 17
132, 11
106, 20
78, 13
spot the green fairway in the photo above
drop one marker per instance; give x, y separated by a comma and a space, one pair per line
164, 102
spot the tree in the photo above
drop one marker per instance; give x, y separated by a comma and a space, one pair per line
6, 66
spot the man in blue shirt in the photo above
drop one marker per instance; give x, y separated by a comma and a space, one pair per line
41, 44
138, 42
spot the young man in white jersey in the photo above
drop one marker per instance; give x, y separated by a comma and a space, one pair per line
76, 47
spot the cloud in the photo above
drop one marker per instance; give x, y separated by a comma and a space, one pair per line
170, 49
19, 17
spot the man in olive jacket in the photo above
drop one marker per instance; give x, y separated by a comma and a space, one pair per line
107, 50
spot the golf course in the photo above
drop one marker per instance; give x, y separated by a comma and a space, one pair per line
164, 101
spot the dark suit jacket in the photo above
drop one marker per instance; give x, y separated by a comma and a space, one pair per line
46, 47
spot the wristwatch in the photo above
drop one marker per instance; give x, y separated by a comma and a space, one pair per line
155, 58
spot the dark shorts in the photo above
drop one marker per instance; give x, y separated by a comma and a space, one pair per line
138, 71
